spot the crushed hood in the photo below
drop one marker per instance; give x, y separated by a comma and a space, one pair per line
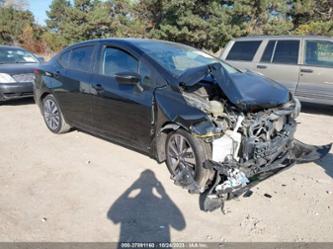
246, 90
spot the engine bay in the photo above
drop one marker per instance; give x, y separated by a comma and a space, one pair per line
247, 147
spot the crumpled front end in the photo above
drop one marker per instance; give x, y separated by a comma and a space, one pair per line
247, 147
233, 179
261, 144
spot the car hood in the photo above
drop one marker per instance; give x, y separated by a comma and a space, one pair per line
18, 68
246, 90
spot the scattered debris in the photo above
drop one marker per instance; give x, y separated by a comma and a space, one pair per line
252, 225
267, 195
248, 193
209, 237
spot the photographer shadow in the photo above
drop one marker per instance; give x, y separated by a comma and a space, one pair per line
145, 212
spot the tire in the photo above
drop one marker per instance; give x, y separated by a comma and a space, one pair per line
201, 153
53, 117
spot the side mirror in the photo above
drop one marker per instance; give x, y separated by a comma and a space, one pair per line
128, 78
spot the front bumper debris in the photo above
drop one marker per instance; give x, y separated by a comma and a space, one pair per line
232, 179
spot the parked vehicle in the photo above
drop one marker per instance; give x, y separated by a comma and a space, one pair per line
303, 64
218, 129
16, 73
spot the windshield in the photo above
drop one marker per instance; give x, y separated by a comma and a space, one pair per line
14, 55
177, 58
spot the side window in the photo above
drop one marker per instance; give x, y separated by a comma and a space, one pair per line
118, 61
319, 53
286, 52
81, 58
267, 55
64, 59
243, 50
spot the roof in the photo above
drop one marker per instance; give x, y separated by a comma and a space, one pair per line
8, 46
131, 41
282, 37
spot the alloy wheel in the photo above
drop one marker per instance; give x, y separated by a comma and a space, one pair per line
51, 114
180, 154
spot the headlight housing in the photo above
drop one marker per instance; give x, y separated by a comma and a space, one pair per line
6, 78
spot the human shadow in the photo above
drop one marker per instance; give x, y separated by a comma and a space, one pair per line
327, 164
145, 212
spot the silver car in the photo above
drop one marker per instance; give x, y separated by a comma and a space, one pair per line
303, 64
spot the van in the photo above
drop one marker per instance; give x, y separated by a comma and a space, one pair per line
304, 64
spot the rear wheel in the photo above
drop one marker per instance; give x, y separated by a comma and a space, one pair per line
186, 151
53, 116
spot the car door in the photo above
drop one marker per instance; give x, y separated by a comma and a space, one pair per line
280, 62
74, 89
123, 112
316, 73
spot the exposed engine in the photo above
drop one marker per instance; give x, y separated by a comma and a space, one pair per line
243, 144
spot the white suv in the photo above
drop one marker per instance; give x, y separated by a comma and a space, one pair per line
303, 64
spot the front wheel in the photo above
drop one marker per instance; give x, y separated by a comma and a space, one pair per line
183, 151
53, 116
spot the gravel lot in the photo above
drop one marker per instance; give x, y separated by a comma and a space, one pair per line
76, 187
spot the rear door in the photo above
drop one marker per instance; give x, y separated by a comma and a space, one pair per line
280, 62
241, 54
74, 88
316, 73
123, 112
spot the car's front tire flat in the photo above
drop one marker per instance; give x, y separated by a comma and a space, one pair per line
184, 150
53, 117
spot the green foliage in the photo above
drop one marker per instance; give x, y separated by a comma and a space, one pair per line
203, 24
316, 28
206, 24
12, 22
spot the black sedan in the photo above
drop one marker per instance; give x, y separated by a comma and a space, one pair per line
219, 130
16, 73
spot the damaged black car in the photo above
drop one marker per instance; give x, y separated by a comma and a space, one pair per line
219, 130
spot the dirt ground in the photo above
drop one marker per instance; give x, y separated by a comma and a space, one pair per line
76, 187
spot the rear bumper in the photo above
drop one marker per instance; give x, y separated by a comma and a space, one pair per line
16, 90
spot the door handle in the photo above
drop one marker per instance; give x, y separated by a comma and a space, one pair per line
305, 70
261, 66
98, 87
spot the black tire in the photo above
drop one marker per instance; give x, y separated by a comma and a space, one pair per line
59, 127
202, 152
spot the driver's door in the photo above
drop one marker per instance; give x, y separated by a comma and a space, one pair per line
121, 111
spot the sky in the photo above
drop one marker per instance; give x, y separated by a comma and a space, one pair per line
39, 8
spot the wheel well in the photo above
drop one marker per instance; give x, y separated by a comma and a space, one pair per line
44, 96
161, 140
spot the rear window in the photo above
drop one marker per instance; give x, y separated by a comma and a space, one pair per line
81, 58
286, 52
243, 50
64, 59
319, 53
